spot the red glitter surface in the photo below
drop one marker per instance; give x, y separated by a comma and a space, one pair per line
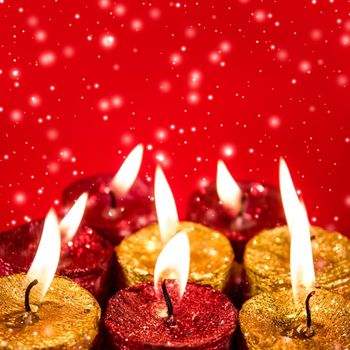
113, 221
83, 82
135, 319
89, 261
261, 208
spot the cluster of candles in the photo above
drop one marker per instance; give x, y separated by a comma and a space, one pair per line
119, 271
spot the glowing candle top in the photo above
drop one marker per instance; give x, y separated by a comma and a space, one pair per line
168, 219
227, 188
301, 262
174, 262
45, 263
127, 173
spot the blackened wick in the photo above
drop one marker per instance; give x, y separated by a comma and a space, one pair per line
27, 293
167, 300
113, 199
308, 312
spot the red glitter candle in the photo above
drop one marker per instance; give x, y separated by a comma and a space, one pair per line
87, 258
118, 205
259, 207
136, 318
113, 218
185, 316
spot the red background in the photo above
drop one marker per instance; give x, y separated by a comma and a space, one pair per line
273, 81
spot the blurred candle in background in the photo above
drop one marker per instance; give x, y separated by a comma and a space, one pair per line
238, 209
118, 205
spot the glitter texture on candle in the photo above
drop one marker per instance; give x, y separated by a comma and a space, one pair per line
211, 255
67, 317
136, 319
273, 321
267, 262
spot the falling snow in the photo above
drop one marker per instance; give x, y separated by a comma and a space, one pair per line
242, 80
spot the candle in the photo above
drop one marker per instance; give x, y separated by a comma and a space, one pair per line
170, 314
211, 252
40, 311
118, 205
86, 258
273, 321
267, 255
239, 210
305, 317
267, 260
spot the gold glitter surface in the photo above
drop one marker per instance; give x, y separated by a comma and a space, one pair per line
211, 255
272, 321
67, 318
266, 260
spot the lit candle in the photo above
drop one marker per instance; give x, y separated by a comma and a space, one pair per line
305, 317
211, 252
170, 314
86, 258
41, 311
273, 321
118, 205
239, 210
267, 255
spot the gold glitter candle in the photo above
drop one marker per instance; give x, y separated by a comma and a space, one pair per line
267, 260
66, 318
41, 311
273, 321
294, 313
211, 255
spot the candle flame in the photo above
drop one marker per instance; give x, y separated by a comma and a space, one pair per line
301, 262
45, 263
127, 174
168, 219
227, 188
71, 222
174, 262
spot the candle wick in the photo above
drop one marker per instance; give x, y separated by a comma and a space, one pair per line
27, 294
308, 312
167, 300
113, 199
243, 205
301, 331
